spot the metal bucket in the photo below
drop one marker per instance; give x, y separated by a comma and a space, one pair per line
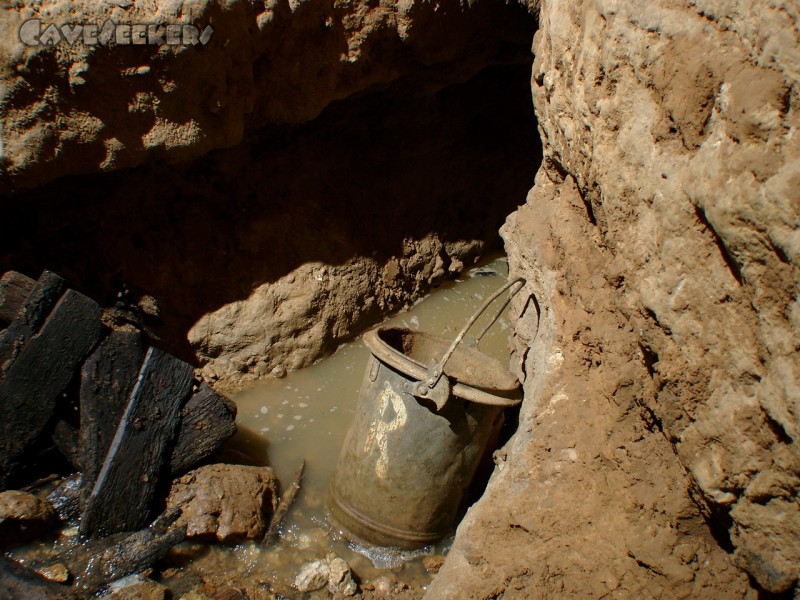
421, 428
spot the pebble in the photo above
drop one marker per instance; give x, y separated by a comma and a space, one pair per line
331, 571
341, 580
312, 576
57, 572
433, 563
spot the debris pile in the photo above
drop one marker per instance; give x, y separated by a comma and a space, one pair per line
125, 414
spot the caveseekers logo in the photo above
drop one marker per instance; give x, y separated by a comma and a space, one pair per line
34, 32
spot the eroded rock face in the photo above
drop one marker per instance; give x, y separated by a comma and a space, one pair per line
662, 242
270, 254
81, 108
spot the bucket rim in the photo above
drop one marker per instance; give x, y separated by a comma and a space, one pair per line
382, 351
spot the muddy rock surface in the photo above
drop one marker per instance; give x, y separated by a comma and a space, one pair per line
228, 502
660, 359
271, 254
277, 189
83, 107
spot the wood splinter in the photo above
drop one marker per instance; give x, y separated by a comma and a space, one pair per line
283, 507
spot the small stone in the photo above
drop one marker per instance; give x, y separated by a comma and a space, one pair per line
278, 372
57, 572
340, 580
385, 586
147, 304
433, 563
312, 576
22, 506
140, 590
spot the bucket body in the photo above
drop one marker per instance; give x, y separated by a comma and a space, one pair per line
404, 467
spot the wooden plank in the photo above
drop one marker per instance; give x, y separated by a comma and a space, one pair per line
14, 288
40, 372
122, 497
107, 380
29, 319
65, 439
207, 420
117, 556
283, 507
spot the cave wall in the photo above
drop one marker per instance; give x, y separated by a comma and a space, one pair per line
660, 364
78, 108
310, 169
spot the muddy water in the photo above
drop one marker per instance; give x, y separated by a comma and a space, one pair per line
306, 415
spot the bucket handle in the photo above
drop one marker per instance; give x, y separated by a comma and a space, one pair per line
435, 374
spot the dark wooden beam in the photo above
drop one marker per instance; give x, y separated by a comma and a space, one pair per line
14, 288
123, 494
30, 316
107, 380
40, 371
208, 419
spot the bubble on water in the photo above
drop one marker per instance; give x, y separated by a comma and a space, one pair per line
415, 322
284, 403
264, 410
264, 429
302, 405
297, 417
280, 415
289, 427
389, 558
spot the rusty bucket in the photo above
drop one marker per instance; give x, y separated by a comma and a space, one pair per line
426, 412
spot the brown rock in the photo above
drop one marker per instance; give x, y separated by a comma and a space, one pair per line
340, 578
56, 572
433, 563
312, 576
22, 506
141, 590
227, 502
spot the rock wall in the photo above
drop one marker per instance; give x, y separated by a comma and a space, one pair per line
660, 364
81, 108
326, 217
